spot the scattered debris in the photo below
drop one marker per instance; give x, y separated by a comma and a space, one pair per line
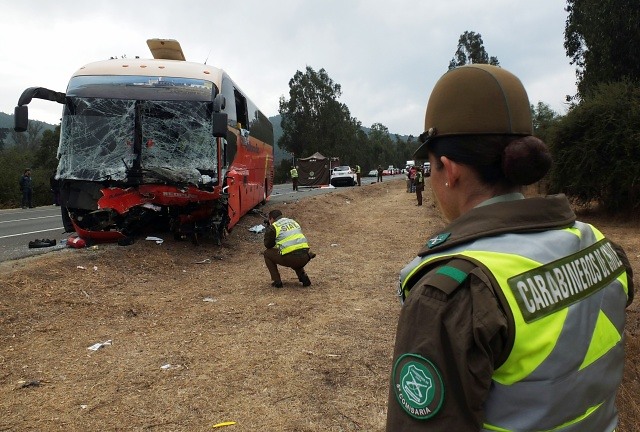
41, 243
334, 244
158, 240
33, 383
81, 267
76, 242
209, 299
204, 261
257, 228
229, 423
97, 346
170, 366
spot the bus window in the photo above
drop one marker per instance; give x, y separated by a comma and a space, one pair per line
241, 109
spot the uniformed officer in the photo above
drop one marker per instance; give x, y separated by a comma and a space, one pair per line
513, 315
358, 174
286, 246
419, 184
294, 177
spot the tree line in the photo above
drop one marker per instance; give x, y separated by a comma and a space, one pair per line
595, 145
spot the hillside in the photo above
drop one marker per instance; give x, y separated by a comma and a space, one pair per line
199, 337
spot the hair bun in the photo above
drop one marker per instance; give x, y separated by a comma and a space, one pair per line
526, 160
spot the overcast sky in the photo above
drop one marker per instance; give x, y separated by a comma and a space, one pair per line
385, 54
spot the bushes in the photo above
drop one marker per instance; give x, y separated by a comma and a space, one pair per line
596, 149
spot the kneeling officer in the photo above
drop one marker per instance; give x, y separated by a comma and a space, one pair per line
286, 246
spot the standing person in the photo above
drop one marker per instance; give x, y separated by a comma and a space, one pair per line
286, 246
294, 178
380, 170
513, 314
358, 174
419, 185
411, 176
26, 187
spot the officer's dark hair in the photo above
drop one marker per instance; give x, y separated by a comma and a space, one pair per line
497, 159
275, 214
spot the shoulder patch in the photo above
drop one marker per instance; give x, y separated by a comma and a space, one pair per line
450, 276
418, 386
437, 240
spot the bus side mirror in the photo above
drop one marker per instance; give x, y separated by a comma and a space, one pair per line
21, 118
219, 125
219, 103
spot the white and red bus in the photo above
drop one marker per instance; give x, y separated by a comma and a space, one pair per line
161, 143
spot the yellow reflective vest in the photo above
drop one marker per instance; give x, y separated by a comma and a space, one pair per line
566, 290
289, 236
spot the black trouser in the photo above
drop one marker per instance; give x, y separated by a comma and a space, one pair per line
295, 260
26, 198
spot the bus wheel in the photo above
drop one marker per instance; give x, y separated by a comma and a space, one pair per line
264, 194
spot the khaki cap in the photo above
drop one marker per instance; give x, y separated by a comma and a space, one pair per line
476, 99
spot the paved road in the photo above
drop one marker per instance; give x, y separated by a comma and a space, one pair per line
20, 226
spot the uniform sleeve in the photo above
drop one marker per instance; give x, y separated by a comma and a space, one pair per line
269, 237
461, 334
625, 261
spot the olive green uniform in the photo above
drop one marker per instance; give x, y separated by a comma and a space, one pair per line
466, 330
273, 257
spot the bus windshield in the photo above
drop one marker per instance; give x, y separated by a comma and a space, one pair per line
98, 134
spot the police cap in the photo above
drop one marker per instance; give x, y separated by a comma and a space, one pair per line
476, 99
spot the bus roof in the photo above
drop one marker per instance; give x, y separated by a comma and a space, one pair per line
153, 67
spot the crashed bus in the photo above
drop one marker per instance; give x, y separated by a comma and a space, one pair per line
158, 143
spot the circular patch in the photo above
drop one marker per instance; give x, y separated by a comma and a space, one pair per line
418, 386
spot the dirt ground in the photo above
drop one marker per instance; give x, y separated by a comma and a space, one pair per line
199, 337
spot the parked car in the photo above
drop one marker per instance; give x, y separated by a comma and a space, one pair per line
343, 175
373, 173
427, 169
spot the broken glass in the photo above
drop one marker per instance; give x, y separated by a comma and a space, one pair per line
98, 134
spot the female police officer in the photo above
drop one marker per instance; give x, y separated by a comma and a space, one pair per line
513, 315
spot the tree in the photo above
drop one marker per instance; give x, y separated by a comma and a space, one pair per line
29, 140
312, 118
603, 42
46, 154
544, 119
471, 50
595, 149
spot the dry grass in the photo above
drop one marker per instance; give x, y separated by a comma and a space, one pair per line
294, 359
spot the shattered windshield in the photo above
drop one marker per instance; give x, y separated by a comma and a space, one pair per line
99, 139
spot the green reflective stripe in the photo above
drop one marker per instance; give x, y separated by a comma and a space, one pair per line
454, 273
543, 290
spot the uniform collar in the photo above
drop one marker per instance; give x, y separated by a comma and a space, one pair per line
502, 217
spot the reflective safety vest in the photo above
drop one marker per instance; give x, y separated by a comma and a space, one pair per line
294, 173
289, 236
357, 169
567, 292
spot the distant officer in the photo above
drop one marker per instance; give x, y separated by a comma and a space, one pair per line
380, 171
286, 246
419, 185
294, 178
26, 187
513, 314
358, 174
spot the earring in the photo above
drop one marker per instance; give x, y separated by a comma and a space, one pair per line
447, 184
